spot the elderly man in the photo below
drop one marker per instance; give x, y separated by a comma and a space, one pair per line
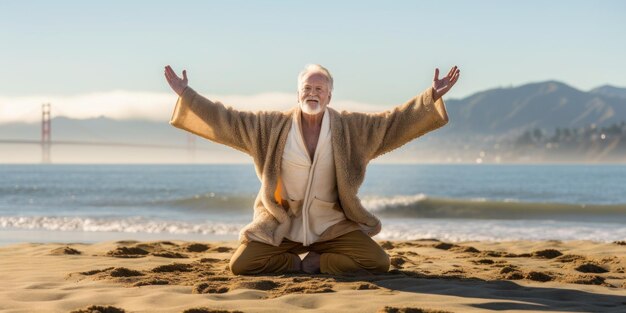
311, 162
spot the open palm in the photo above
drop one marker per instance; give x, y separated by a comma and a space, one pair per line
178, 84
443, 85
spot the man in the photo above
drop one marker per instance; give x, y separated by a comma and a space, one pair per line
311, 161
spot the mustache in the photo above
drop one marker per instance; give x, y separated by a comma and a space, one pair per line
312, 98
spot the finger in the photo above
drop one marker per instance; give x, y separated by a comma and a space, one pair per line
168, 75
436, 74
172, 73
455, 78
456, 75
170, 81
451, 72
169, 70
185, 75
171, 78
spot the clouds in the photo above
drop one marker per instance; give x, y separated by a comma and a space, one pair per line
154, 106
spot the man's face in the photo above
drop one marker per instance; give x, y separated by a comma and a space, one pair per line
314, 93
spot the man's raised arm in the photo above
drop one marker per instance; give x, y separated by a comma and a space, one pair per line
389, 130
211, 120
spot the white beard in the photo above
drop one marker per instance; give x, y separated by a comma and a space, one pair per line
311, 109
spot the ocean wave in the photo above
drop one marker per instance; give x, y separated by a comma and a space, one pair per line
125, 225
499, 230
422, 206
416, 206
211, 201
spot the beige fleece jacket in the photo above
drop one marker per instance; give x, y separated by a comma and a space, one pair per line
357, 138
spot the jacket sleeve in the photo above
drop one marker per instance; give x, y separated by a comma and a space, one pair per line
386, 131
214, 121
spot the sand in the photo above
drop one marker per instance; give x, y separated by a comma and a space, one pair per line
426, 276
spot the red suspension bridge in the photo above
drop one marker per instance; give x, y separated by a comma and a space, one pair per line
46, 140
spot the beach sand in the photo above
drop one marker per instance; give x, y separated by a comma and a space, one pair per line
426, 276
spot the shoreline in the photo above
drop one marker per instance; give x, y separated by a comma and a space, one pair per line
457, 230
43, 236
175, 275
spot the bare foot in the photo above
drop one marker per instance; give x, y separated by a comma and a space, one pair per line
311, 263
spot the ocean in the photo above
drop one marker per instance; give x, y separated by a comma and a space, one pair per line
90, 203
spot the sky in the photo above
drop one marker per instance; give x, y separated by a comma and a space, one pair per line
106, 58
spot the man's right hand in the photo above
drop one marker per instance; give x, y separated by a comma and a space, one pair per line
177, 84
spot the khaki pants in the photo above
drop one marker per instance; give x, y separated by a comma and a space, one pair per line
352, 252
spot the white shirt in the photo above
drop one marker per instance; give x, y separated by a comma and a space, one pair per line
310, 187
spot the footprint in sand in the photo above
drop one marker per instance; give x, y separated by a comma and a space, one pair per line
99, 309
125, 272
170, 254
197, 247
210, 260
365, 286
256, 284
514, 276
547, 254
128, 252
308, 288
508, 269
511, 272
470, 250
223, 249
483, 261
174, 267
94, 272
209, 288
567, 258
586, 280
539, 276
151, 282
65, 251
397, 261
455, 271
590, 268
149, 246
444, 246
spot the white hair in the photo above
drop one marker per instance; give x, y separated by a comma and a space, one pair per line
315, 68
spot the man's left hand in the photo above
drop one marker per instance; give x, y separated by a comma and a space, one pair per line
443, 85
375, 230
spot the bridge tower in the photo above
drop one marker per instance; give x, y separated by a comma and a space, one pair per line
45, 133
191, 147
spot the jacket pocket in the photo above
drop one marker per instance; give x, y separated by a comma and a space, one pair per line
317, 202
324, 214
